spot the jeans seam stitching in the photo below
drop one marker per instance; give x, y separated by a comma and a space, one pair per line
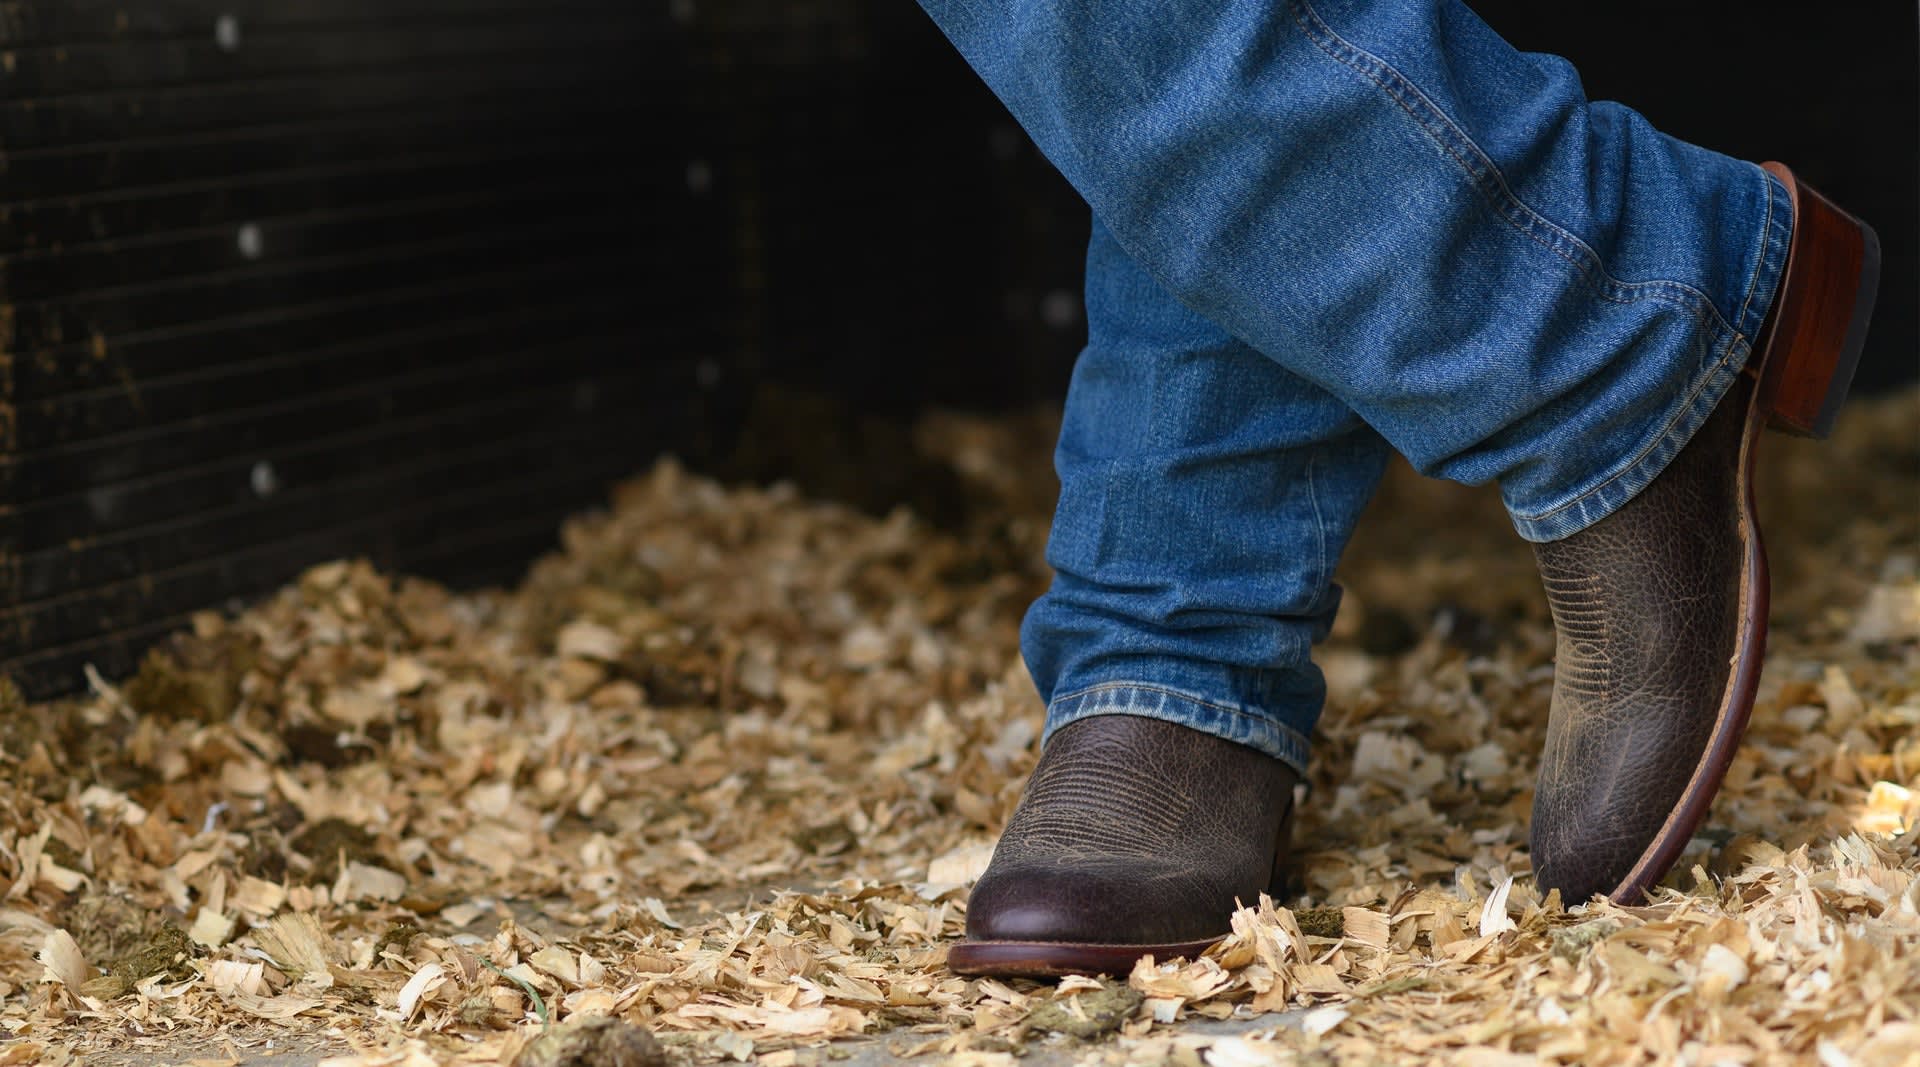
1761, 254
1320, 575
1281, 730
1102, 687
1493, 185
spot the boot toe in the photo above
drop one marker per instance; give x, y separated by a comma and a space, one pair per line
1135, 837
1097, 903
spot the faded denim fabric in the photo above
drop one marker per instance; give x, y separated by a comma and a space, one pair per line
1206, 493
1327, 228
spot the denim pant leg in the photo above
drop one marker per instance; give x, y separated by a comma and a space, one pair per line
1507, 281
1206, 494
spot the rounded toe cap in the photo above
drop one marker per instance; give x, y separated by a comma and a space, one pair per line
1096, 904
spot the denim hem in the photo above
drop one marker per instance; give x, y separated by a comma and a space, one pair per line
1702, 393
1228, 722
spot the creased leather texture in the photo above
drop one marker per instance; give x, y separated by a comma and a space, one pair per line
1646, 614
1134, 831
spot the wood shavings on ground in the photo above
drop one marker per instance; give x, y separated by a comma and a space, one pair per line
713, 783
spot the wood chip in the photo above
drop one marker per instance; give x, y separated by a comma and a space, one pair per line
63, 962
282, 1007
424, 981
1369, 928
1493, 913
258, 897
210, 928
295, 945
228, 977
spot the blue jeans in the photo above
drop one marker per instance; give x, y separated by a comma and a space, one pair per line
1326, 229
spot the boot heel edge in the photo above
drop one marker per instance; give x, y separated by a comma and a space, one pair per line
1811, 345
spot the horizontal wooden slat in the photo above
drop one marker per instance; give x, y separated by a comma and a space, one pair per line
263, 338
142, 118
279, 241
68, 171
26, 22
49, 74
344, 431
153, 212
167, 425
108, 312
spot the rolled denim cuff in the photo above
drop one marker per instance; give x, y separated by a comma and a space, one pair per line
1701, 392
1256, 728
1591, 505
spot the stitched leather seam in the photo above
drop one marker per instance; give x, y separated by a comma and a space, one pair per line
1666, 434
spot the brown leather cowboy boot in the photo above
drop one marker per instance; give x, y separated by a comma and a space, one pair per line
1136, 837
1660, 609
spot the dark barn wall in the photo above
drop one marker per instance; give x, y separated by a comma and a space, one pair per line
909, 243
285, 281
415, 279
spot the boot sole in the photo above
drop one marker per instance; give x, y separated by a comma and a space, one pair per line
1804, 364
1056, 959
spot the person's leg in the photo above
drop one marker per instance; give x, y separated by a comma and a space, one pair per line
1505, 280
1508, 283
1206, 495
